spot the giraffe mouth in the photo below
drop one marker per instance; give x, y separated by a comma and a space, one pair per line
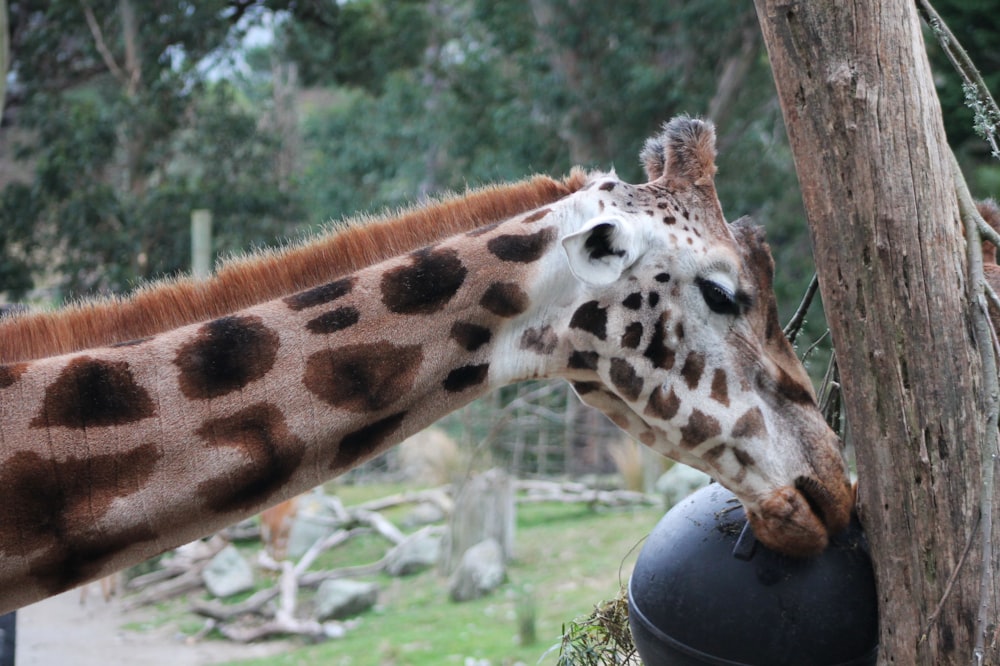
798, 520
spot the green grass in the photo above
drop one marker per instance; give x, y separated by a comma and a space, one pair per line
568, 557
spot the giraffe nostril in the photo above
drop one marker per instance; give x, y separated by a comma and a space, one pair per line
815, 495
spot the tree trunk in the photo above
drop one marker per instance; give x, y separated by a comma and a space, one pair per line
484, 509
4, 54
871, 155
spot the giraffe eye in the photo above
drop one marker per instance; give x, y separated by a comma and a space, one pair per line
719, 298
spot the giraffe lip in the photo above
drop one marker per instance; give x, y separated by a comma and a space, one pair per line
799, 519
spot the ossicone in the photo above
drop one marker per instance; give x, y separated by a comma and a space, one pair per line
683, 154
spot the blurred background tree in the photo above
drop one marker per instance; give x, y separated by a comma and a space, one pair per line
122, 116
282, 115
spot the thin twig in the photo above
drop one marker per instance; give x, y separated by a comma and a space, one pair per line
991, 397
795, 323
992, 296
978, 97
932, 618
814, 345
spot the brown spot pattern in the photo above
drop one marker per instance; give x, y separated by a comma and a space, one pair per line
720, 387
334, 320
130, 343
592, 318
657, 351
633, 301
699, 428
365, 442
693, 368
743, 458
521, 248
470, 336
713, 454
363, 377
320, 295
625, 379
271, 454
505, 299
751, 424
539, 340
480, 231
226, 355
663, 405
583, 388
48, 507
537, 215
791, 390
465, 377
632, 336
582, 360
10, 373
91, 393
426, 285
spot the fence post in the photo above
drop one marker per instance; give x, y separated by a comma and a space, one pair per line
201, 243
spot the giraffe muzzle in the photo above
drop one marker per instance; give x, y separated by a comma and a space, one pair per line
798, 520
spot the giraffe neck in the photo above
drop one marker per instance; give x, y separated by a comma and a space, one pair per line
140, 447
659, 312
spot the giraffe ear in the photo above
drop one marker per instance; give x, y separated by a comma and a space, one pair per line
601, 251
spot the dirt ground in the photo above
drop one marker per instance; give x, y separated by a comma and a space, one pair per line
62, 632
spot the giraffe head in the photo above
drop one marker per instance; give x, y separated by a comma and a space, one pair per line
675, 336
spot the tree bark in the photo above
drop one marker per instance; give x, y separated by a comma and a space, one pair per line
871, 155
484, 509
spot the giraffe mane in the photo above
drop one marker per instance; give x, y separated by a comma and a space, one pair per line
270, 273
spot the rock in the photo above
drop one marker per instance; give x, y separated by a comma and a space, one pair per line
313, 521
420, 551
430, 457
339, 599
425, 513
680, 481
228, 573
480, 571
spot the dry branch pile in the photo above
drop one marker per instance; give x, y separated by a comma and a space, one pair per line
276, 610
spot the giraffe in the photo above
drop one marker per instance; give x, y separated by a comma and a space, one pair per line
132, 426
990, 211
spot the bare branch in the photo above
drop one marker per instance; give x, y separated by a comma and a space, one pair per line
795, 324
223, 612
985, 230
102, 47
130, 32
991, 397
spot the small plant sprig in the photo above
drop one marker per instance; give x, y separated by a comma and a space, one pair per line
602, 638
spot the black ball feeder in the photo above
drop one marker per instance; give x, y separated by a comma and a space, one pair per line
705, 591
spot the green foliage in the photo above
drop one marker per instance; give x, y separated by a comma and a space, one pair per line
422, 97
125, 142
359, 43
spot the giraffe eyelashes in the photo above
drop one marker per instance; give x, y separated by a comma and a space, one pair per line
721, 299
